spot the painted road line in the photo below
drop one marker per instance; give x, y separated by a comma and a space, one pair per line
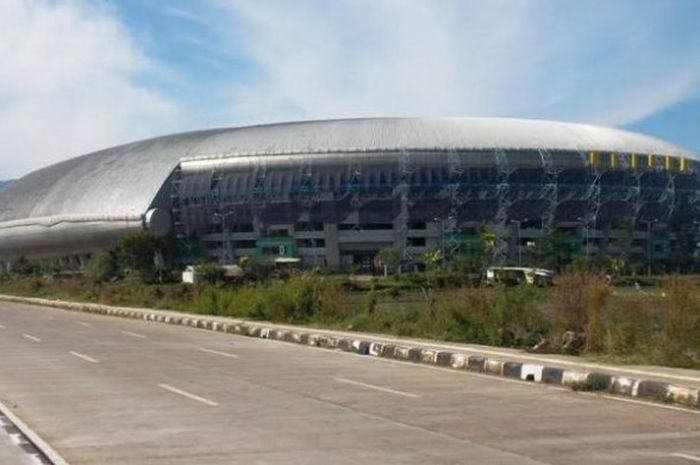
376, 388
31, 338
174, 390
2, 327
692, 458
129, 333
82, 323
84, 357
216, 352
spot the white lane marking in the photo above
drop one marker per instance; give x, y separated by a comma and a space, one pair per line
686, 456
167, 387
376, 388
223, 354
31, 338
641, 402
82, 323
2, 327
129, 333
84, 357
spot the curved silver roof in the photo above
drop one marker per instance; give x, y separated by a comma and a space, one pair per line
120, 183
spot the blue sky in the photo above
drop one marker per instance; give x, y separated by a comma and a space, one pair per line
79, 75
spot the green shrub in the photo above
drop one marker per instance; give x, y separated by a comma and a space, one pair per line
578, 300
211, 273
101, 268
680, 330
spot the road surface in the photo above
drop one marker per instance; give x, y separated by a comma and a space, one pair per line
106, 391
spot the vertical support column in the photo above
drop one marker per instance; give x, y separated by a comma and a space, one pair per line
500, 249
405, 173
330, 235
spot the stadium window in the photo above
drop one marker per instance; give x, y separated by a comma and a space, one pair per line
241, 228
244, 244
416, 241
304, 243
278, 232
271, 250
308, 226
417, 225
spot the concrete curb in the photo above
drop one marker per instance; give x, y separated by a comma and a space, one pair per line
582, 380
33, 444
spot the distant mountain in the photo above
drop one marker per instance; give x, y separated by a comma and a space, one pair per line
3, 184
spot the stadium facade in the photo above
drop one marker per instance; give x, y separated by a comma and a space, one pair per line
336, 192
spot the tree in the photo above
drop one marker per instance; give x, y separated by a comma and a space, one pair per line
137, 253
102, 267
555, 251
210, 273
25, 267
390, 257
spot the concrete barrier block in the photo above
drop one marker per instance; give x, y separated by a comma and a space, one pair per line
256, 331
363, 347
599, 381
574, 378
623, 385
401, 353
415, 354
653, 390
329, 342
375, 349
683, 395
388, 351
493, 367
345, 344
531, 372
427, 356
443, 359
477, 364
551, 375
458, 361
512, 369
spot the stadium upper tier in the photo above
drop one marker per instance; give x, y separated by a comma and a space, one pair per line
87, 201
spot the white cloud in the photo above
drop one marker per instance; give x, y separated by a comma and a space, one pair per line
71, 82
602, 62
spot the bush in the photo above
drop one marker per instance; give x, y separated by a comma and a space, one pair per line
629, 326
680, 331
136, 254
25, 267
578, 300
101, 268
210, 273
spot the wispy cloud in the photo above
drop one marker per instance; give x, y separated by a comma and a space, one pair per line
604, 62
71, 82
77, 75
183, 13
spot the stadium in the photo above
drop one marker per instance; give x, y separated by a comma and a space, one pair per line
333, 193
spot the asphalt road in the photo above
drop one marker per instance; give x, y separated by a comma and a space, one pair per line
106, 391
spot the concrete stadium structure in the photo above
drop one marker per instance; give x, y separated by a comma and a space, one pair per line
336, 192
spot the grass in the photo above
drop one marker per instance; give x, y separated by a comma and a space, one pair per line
652, 327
